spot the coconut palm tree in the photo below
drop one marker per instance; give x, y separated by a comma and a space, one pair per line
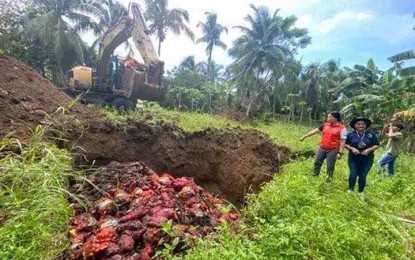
212, 32
188, 64
55, 32
108, 12
268, 43
162, 19
213, 72
312, 88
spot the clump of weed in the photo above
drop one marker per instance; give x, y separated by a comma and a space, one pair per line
34, 210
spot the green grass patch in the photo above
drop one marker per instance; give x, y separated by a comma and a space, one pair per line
282, 133
297, 216
33, 201
288, 134
188, 121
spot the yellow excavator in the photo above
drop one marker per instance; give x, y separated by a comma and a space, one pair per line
115, 82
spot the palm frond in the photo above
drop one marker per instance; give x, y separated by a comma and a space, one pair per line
407, 72
221, 45
407, 55
203, 39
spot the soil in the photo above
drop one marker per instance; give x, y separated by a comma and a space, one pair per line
27, 99
227, 162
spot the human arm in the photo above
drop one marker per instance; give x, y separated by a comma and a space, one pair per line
374, 147
341, 149
343, 139
348, 145
355, 151
370, 150
392, 134
311, 133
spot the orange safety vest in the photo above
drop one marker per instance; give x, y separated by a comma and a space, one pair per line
331, 136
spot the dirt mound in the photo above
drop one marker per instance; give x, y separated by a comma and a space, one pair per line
26, 99
227, 162
140, 212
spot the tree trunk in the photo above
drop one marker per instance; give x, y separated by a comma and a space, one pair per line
302, 114
159, 50
248, 110
253, 96
273, 104
209, 72
210, 103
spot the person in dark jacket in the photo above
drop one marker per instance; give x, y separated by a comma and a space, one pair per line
361, 143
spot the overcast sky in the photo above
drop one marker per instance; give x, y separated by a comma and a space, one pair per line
349, 30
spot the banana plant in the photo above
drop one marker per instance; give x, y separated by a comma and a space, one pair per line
359, 79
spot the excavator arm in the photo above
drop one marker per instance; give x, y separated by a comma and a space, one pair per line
145, 46
127, 27
113, 38
140, 36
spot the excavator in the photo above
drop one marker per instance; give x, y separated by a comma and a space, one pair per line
120, 83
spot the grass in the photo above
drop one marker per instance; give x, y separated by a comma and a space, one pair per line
282, 133
33, 201
297, 216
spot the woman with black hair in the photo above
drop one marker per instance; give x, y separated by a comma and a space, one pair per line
361, 143
331, 145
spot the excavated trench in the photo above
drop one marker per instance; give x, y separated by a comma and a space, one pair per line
130, 202
229, 163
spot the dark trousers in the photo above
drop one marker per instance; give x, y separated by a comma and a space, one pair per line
359, 168
330, 156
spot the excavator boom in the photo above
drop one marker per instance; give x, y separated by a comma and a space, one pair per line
113, 38
140, 36
135, 27
145, 46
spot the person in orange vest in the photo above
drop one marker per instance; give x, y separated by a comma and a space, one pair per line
334, 135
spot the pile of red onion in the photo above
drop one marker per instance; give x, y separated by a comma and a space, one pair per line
141, 214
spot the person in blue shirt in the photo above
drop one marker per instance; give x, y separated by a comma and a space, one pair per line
361, 143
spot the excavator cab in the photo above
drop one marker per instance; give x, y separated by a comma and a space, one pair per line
80, 77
